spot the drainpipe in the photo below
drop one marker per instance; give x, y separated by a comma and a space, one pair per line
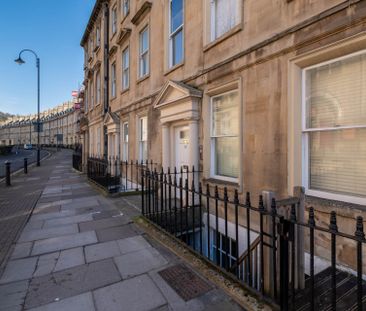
106, 73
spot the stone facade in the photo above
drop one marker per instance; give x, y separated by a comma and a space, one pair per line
62, 120
261, 57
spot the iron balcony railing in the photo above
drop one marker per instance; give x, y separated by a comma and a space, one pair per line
261, 247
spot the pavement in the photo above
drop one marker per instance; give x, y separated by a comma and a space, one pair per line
82, 251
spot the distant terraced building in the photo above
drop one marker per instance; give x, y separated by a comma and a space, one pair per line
60, 122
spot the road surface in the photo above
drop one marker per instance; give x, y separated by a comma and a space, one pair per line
17, 159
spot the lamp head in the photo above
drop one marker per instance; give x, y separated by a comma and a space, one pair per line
19, 61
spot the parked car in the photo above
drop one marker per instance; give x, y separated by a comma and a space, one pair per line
28, 147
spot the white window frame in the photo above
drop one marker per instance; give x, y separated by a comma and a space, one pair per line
145, 53
213, 139
98, 86
140, 138
213, 15
221, 250
91, 89
99, 141
125, 151
113, 80
125, 7
305, 139
173, 34
97, 37
114, 20
126, 69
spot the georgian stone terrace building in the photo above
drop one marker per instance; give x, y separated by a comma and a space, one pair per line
257, 94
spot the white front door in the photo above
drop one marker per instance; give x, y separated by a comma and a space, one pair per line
182, 145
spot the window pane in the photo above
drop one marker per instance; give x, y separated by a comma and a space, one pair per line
177, 48
144, 65
125, 132
144, 41
225, 16
227, 156
225, 110
126, 58
335, 93
176, 11
338, 161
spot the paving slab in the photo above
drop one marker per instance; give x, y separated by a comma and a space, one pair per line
46, 233
136, 294
64, 242
48, 209
132, 244
48, 216
46, 264
12, 295
33, 224
71, 282
83, 302
139, 262
116, 233
102, 251
67, 220
103, 223
78, 204
22, 250
19, 269
70, 258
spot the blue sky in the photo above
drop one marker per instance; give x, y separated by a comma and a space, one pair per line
53, 29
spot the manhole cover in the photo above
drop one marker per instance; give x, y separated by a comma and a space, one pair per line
185, 283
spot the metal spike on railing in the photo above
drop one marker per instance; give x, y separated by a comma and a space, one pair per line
207, 190
261, 204
247, 200
293, 213
216, 192
169, 170
333, 222
273, 207
360, 234
236, 197
311, 217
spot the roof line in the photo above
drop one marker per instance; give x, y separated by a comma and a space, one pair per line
92, 18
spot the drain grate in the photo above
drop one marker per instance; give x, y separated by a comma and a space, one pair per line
185, 283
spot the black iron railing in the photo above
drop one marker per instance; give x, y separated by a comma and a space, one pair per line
101, 172
77, 161
118, 176
259, 246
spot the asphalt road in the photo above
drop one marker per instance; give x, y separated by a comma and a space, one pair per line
17, 159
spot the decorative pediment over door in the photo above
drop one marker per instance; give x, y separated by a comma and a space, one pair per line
178, 101
111, 120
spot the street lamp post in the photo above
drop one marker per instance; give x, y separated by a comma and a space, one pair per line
20, 61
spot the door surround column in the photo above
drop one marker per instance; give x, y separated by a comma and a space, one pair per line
166, 141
